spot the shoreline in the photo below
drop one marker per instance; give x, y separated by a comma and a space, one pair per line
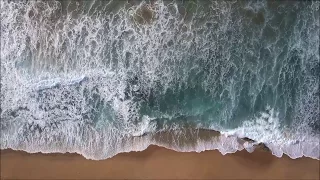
186, 139
157, 163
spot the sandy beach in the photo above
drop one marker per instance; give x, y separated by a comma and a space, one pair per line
157, 163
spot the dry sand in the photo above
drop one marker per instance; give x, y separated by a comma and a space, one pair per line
157, 163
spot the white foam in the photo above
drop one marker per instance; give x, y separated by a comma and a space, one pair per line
266, 129
108, 142
51, 51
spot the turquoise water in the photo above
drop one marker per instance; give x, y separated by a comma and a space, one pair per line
88, 76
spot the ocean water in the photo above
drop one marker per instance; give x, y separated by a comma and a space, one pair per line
103, 77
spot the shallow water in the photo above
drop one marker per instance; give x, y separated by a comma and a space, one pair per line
90, 76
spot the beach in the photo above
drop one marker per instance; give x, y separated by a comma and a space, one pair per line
157, 163
165, 89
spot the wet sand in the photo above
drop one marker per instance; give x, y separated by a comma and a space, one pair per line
157, 163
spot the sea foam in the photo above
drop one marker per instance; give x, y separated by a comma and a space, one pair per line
101, 78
